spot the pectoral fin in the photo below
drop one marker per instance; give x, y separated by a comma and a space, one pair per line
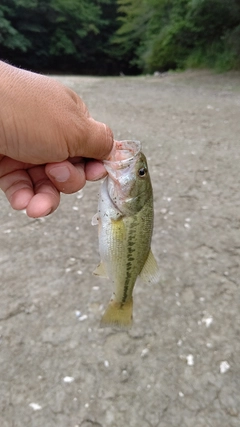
95, 219
100, 270
150, 272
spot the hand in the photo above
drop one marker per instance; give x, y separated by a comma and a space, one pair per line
48, 141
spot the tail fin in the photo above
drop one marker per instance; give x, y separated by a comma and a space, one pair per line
118, 315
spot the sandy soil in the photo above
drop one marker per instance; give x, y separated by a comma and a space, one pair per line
179, 366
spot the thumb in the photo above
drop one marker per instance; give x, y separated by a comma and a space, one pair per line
98, 141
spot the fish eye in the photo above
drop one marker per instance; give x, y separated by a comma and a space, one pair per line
142, 172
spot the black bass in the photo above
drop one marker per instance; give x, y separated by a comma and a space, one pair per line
125, 221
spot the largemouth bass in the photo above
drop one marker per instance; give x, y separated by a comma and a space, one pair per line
125, 224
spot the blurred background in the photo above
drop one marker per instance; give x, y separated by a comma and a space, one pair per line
112, 37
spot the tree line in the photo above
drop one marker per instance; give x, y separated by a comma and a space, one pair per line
107, 37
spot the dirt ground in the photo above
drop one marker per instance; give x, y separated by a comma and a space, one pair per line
179, 366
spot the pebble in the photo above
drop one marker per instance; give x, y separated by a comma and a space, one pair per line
68, 379
83, 317
224, 367
78, 313
35, 406
190, 360
144, 352
208, 321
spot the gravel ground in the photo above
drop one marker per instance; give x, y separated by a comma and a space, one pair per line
179, 366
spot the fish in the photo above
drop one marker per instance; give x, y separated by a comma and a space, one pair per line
125, 226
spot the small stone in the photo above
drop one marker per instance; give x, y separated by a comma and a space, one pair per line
208, 321
224, 367
190, 360
68, 379
144, 352
35, 406
83, 317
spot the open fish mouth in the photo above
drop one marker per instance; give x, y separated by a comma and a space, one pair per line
122, 160
121, 167
123, 154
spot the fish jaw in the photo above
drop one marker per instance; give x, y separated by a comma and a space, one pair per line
127, 188
123, 152
121, 168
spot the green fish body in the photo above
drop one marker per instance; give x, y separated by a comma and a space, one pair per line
125, 221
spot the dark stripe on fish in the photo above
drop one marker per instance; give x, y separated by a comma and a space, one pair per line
130, 258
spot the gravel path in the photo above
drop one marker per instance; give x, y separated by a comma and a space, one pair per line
179, 366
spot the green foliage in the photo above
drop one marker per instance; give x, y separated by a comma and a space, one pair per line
133, 18
109, 36
10, 37
163, 34
57, 34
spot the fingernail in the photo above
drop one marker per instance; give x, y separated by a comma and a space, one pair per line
60, 173
98, 176
48, 212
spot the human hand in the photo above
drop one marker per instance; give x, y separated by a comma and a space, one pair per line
48, 141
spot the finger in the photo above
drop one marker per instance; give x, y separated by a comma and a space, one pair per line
20, 181
18, 188
67, 177
8, 165
99, 141
46, 198
92, 139
43, 203
94, 170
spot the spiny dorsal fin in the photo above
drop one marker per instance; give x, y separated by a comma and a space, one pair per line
150, 272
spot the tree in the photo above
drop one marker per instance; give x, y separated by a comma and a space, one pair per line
163, 34
10, 37
108, 36
57, 34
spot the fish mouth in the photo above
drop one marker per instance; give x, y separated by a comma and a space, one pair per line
123, 154
121, 162
121, 168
